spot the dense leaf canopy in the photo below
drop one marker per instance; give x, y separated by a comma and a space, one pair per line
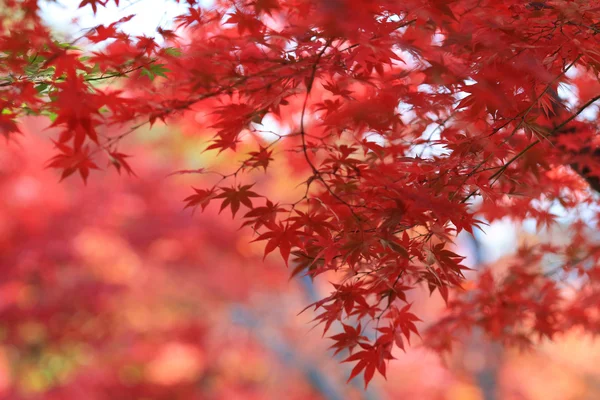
405, 123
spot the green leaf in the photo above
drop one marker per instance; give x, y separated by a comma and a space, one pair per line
148, 73
95, 69
67, 46
173, 51
155, 70
50, 115
41, 87
159, 70
36, 59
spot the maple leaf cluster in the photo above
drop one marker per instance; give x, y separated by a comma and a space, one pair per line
410, 122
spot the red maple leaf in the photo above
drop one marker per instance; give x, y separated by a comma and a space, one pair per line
72, 160
234, 197
201, 198
94, 4
281, 236
371, 358
348, 339
118, 161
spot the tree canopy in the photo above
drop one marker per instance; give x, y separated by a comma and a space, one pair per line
405, 123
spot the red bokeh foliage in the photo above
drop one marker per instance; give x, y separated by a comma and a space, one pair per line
405, 122
114, 292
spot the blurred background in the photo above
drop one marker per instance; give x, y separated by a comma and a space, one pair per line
113, 291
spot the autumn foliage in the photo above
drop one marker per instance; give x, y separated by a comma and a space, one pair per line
404, 123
